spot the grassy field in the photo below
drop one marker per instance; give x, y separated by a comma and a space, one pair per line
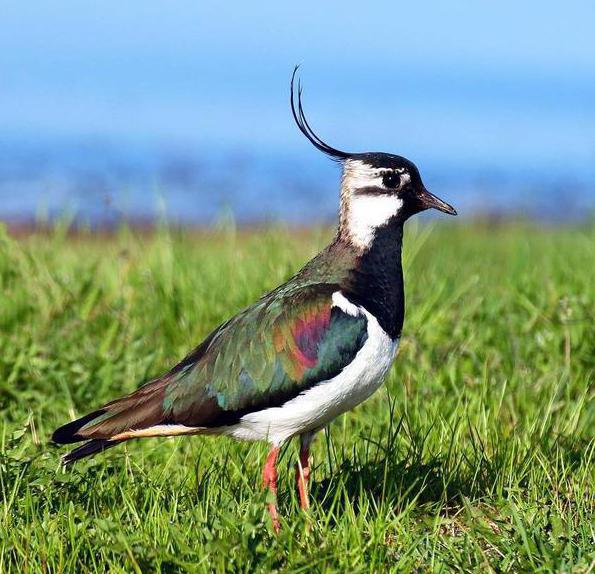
477, 456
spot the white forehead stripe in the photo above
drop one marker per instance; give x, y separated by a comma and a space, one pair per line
358, 174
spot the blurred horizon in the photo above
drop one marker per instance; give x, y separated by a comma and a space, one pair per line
113, 110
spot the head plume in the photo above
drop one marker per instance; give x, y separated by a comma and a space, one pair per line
304, 126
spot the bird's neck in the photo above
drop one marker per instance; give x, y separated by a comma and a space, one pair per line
371, 277
376, 280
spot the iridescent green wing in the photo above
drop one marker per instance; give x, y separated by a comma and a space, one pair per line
271, 352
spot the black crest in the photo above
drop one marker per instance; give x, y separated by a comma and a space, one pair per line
302, 122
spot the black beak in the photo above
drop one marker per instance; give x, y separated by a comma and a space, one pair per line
429, 200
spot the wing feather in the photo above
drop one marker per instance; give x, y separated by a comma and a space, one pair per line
247, 367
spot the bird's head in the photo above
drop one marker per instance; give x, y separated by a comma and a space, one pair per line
377, 189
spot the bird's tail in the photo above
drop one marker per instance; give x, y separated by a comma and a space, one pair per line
89, 448
134, 415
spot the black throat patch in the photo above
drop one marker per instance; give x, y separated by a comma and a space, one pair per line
377, 281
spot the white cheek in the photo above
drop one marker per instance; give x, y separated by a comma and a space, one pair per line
375, 210
368, 212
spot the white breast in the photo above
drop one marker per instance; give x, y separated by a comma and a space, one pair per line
317, 406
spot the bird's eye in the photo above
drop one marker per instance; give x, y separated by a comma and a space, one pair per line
391, 179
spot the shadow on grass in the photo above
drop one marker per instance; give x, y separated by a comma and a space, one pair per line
397, 484
470, 471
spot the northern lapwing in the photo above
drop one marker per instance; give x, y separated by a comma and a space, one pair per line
308, 351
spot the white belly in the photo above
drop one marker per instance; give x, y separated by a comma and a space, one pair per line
319, 405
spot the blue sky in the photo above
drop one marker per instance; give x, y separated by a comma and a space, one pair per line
502, 85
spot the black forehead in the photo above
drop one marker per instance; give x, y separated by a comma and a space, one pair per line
386, 160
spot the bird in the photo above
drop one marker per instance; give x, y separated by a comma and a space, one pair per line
304, 353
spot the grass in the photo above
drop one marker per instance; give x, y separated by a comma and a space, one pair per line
477, 456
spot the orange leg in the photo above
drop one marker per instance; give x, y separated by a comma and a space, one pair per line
269, 477
302, 470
